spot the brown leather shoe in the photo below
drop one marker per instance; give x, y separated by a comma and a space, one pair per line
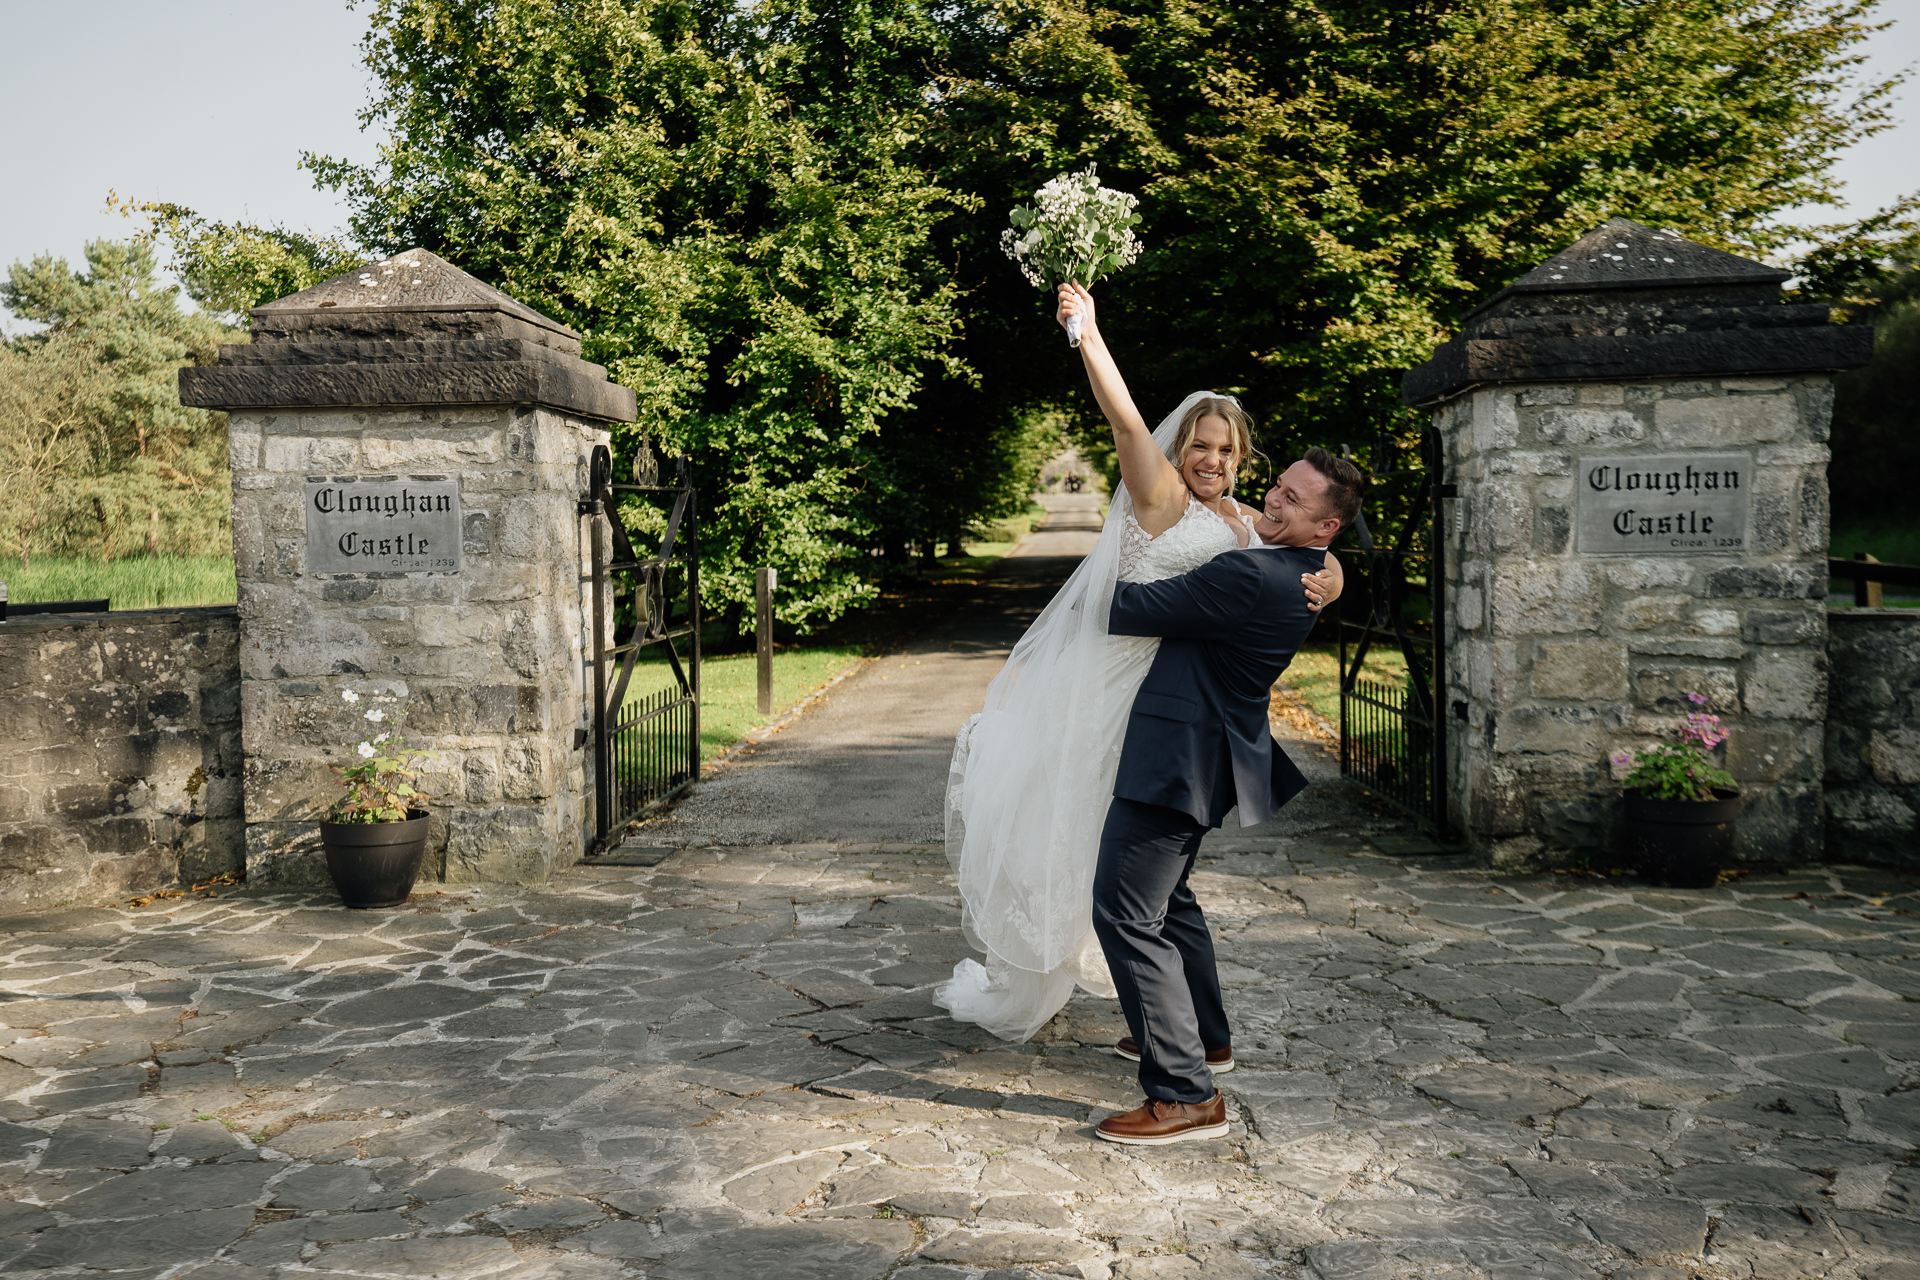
1157, 1123
1219, 1061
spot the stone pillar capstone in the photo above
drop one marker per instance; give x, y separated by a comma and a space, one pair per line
1637, 431
409, 447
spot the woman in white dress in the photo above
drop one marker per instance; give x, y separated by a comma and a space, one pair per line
1033, 773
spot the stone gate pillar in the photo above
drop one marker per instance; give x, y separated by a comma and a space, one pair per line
1637, 430
409, 446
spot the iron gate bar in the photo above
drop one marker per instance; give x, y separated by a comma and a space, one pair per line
647, 754
1394, 740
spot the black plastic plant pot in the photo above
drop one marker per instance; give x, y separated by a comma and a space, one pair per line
1683, 843
374, 864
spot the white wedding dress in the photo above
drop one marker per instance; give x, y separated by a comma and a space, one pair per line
1033, 773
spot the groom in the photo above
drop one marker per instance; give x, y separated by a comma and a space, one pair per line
1197, 744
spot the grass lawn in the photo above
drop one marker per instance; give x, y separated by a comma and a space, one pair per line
730, 687
1315, 676
1892, 540
138, 582
1895, 541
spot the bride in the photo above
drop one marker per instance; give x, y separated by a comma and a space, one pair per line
1033, 773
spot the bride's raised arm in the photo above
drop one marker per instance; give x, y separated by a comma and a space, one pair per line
1159, 499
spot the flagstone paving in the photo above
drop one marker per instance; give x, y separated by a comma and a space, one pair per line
728, 1066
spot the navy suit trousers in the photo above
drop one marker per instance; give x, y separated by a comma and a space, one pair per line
1157, 945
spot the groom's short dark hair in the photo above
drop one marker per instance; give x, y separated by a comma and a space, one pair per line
1344, 483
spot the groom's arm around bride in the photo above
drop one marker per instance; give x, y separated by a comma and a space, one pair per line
1197, 739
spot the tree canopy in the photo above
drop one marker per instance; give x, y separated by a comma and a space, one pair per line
97, 455
779, 220
1329, 187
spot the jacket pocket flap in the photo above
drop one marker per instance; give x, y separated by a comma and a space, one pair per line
1165, 706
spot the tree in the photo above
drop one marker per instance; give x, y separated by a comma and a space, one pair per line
722, 201
229, 268
97, 455
1329, 187
1876, 429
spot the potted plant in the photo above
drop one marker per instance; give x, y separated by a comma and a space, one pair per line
375, 833
1681, 806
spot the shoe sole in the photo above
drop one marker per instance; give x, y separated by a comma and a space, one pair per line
1220, 1070
1189, 1135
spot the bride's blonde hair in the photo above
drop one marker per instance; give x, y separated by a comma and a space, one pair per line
1238, 421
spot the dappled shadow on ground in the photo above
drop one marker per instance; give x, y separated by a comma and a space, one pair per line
731, 1064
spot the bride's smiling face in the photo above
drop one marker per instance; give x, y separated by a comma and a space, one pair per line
1208, 464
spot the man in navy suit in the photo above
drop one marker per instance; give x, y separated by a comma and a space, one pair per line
1197, 745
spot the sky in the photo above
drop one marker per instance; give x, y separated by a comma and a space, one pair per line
209, 103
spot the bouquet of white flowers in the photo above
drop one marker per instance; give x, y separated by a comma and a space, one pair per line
1076, 230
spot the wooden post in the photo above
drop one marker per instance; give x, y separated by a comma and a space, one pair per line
764, 582
1866, 595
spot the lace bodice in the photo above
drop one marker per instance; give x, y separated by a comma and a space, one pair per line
1197, 537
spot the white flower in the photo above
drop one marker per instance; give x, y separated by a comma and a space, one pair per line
349, 695
366, 751
1075, 230
376, 715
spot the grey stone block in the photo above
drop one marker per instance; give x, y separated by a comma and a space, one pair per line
1453, 1220
560, 1213
171, 1240
424, 1257
1746, 1184
472, 382
322, 1186
416, 1002
81, 1143
1650, 1229
1004, 1248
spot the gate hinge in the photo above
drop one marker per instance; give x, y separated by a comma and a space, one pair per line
589, 506
579, 738
1449, 490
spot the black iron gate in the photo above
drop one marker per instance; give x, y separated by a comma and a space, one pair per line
646, 744
1392, 738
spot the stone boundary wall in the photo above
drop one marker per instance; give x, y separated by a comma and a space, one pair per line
1873, 736
104, 718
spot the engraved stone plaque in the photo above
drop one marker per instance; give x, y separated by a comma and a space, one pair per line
382, 524
1676, 504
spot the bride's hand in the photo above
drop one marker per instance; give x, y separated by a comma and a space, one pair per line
1321, 589
1075, 300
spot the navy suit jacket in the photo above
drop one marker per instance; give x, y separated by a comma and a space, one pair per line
1197, 739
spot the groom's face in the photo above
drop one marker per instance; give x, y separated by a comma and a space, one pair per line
1294, 513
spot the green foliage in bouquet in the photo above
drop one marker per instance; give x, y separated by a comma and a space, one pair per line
1075, 230
385, 785
1680, 770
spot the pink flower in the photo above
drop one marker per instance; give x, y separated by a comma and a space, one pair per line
1703, 729
1697, 699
